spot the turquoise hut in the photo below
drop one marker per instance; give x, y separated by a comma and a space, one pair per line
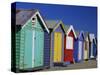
29, 36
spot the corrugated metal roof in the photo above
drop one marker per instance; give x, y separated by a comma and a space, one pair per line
51, 23
23, 15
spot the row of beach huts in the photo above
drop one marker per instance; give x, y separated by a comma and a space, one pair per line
40, 44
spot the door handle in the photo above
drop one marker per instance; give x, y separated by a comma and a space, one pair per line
34, 37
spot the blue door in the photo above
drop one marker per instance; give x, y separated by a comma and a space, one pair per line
80, 51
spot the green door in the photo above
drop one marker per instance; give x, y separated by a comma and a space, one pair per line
38, 48
28, 49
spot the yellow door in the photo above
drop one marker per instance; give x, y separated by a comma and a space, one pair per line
57, 47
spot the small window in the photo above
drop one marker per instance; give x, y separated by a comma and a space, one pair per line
33, 18
33, 21
69, 43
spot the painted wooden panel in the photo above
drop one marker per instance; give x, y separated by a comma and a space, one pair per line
17, 48
94, 50
80, 50
46, 49
28, 49
33, 43
38, 52
69, 43
86, 50
91, 50
22, 49
41, 39
76, 49
57, 47
69, 53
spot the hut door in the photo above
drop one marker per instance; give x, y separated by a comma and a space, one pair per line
28, 49
38, 52
80, 50
57, 47
91, 55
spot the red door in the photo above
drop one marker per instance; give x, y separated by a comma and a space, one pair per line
69, 47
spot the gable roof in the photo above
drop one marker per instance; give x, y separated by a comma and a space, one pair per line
53, 24
79, 34
68, 29
23, 16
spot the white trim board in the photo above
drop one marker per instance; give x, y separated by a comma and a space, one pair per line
71, 28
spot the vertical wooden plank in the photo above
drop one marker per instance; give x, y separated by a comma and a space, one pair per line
28, 49
33, 43
46, 49
80, 50
17, 49
22, 48
38, 48
91, 50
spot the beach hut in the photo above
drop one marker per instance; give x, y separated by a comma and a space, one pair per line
30, 35
69, 41
57, 41
91, 45
86, 46
79, 46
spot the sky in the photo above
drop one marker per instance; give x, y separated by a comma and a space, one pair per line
81, 17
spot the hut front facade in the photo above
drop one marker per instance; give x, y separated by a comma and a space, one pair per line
92, 45
30, 35
69, 44
79, 47
57, 41
86, 46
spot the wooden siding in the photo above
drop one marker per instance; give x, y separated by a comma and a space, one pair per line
46, 49
34, 51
